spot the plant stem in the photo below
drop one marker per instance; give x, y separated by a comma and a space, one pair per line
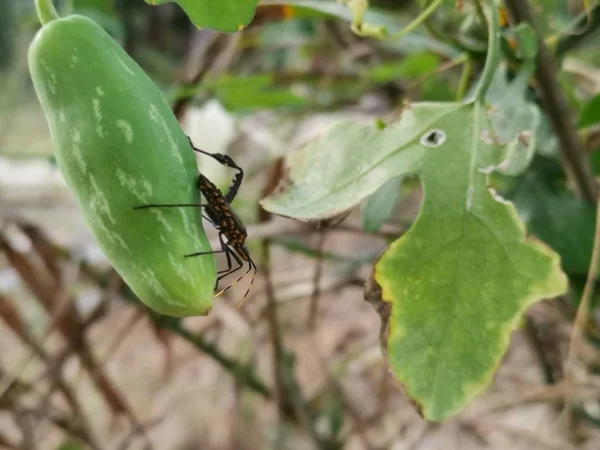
46, 11
480, 13
582, 317
419, 20
557, 108
464, 79
491, 60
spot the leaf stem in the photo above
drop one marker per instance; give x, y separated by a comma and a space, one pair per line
480, 13
419, 20
46, 11
464, 78
491, 60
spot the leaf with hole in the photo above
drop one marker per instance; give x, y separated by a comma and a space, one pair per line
459, 279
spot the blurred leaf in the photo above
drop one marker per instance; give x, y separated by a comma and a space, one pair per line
223, 15
594, 160
590, 113
459, 279
377, 17
555, 216
252, 92
334, 410
516, 121
378, 208
411, 66
298, 246
527, 40
103, 6
7, 32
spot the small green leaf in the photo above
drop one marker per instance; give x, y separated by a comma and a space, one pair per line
222, 15
411, 67
252, 92
515, 120
380, 20
590, 113
527, 39
379, 206
460, 278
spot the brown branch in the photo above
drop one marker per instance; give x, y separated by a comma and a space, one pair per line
283, 407
12, 318
314, 299
67, 322
243, 373
556, 106
206, 48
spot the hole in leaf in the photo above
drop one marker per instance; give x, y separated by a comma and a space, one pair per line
433, 138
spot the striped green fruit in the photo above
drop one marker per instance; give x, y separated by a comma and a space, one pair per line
118, 146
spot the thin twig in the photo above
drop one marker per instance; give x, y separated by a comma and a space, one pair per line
242, 372
272, 180
142, 428
581, 319
557, 107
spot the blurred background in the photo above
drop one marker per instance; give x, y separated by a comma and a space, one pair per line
84, 365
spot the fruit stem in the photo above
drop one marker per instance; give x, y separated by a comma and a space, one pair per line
46, 11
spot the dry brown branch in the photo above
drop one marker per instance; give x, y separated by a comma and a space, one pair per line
57, 304
12, 318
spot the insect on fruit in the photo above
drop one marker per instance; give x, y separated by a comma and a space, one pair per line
220, 214
110, 125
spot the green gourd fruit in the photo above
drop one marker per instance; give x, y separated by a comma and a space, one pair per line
118, 146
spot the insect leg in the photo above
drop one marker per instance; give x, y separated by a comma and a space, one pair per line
169, 205
237, 259
227, 254
204, 253
251, 266
179, 205
226, 161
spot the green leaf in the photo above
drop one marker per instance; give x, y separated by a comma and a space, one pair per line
590, 113
378, 19
379, 206
516, 121
555, 216
411, 67
252, 92
527, 40
222, 15
102, 6
460, 278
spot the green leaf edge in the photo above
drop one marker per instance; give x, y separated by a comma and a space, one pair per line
199, 23
557, 285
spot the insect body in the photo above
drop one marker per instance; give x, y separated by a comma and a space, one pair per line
220, 214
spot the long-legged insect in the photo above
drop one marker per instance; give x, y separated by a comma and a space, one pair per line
232, 232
